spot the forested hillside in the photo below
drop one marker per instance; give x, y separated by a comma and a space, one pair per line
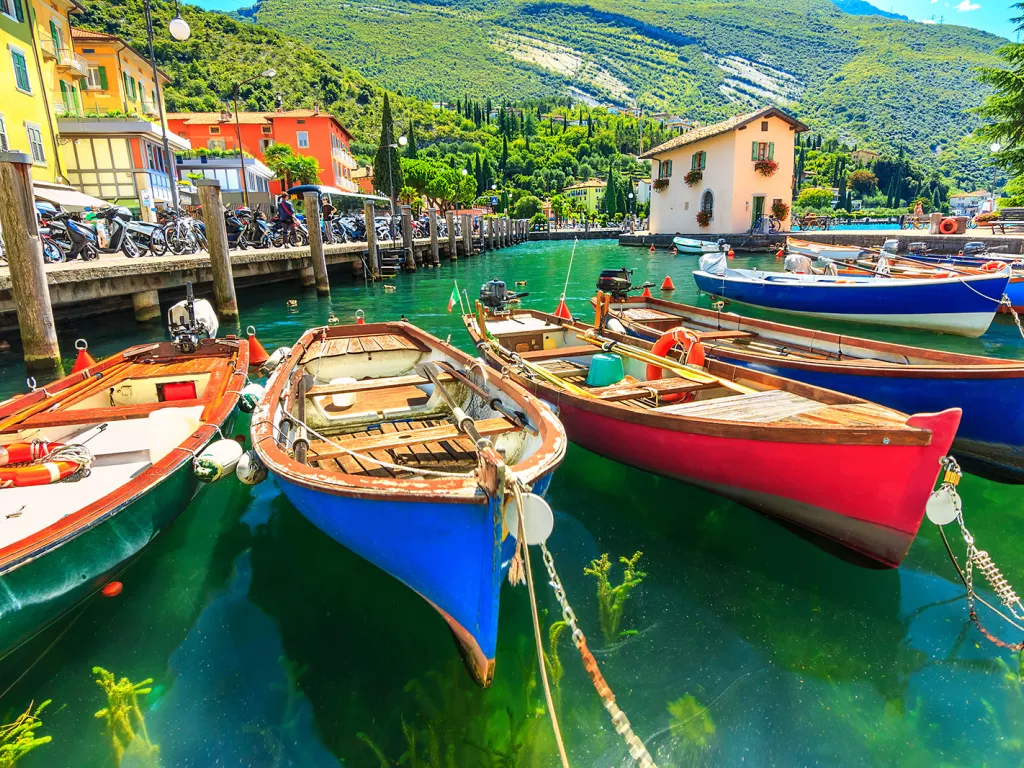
878, 81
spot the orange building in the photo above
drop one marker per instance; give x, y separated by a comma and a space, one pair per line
307, 131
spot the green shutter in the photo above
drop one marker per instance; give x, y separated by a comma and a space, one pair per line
124, 78
64, 94
753, 152
771, 150
55, 37
19, 14
103, 77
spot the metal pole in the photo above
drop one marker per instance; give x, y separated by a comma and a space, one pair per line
241, 155
171, 171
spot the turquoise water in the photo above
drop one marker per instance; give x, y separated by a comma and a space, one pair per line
747, 642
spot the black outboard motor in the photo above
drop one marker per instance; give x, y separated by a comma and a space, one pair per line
495, 296
975, 248
618, 283
917, 248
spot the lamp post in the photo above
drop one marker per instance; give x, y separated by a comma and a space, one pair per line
994, 147
181, 32
267, 73
632, 210
402, 141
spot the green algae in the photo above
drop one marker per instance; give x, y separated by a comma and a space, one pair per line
126, 725
691, 721
19, 738
611, 600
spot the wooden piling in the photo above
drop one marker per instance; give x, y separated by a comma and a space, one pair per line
489, 239
407, 244
146, 305
371, 240
467, 234
311, 204
224, 300
435, 252
25, 259
449, 220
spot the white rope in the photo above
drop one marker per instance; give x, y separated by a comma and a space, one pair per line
568, 271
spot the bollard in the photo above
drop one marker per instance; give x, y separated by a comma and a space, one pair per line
435, 252
490, 235
311, 204
467, 234
224, 300
146, 305
25, 258
407, 244
371, 240
453, 251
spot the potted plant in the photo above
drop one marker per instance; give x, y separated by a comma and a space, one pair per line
660, 185
780, 210
766, 167
704, 218
692, 178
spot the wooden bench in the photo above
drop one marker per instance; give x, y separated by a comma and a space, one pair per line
372, 384
386, 441
1008, 218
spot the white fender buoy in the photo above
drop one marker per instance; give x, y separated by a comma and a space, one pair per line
940, 507
538, 518
250, 470
218, 460
250, 395
613, 324
279, 356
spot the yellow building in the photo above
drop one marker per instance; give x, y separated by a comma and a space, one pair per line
587, 192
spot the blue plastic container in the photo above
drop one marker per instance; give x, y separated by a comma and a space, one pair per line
605, 370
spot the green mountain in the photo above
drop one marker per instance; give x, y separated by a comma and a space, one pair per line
874, 80
864, 8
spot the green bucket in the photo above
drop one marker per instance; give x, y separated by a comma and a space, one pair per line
605, 370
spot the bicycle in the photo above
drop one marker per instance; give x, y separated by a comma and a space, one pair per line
913, 223
768, 225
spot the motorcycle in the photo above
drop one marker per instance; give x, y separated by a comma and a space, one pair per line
108, 235
236, 223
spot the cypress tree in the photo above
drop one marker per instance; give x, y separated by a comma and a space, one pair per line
411, 149
842, 191
590, 126
387, 167
889, 193
610, 195
504, 156
479, 176
490, 107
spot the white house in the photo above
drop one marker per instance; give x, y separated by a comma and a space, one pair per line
968, 203
724, 164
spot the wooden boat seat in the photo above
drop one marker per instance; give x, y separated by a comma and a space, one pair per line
642, 314
630, 391
373, 385
354, 345
321, 450
718, 335
112, 413
539, 355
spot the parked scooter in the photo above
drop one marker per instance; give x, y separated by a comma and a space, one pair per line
110, 234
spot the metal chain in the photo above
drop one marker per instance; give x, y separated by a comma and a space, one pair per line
1005, 302
636, 747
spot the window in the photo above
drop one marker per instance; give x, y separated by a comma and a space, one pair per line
763, 150
21, 80
698, 161
97, 79
5, 145
266, 129
301, 122
764, 125
707, 203
216, 144
302, 138
12, 8
214, 130
664, 169
35, 142
264, 143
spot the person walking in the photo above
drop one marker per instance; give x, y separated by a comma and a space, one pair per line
286, 219
327, 212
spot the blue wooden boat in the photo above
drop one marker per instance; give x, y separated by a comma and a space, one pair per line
959, 304
385, 438
989, 391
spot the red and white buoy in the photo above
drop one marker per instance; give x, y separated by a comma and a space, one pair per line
563, 311
647, 293
257, 354
667, 284
84, 359
359, 317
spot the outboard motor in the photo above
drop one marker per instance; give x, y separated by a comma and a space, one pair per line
975, 248
917, 249
495, 296
617, 282
191, 320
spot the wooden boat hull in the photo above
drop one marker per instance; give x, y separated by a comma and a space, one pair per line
821, 250
948, 306
692, 247
990, 439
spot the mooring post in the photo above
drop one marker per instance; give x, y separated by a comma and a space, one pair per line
371, 240
449, 220
146, 305
508, 231
224, 300
435, 251
490, 234
407, 244
467, 234
25, 259
311, 205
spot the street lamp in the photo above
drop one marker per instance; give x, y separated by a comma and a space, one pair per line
267, 73
632, 210
181, 32
994, 147
402, 141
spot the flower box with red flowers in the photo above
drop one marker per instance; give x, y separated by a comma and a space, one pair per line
693, 177
766, 167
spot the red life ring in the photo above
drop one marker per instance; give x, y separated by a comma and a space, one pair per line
947, 226
37, 474
993, 266
23, 453
693, 354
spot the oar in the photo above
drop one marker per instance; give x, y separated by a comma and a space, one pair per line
58, 398
696, 375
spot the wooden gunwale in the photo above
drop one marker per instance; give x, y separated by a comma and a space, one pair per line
434, 489
947, 365
216, 413
827, 434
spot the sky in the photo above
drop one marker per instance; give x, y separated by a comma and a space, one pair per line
990, 15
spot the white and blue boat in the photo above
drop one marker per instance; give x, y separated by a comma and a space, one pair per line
693, 247
402, 449
959, 304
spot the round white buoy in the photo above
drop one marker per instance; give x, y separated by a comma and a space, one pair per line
538, 518
940, 507
250, 470
279, 356
218, 460
613, 324
250, 395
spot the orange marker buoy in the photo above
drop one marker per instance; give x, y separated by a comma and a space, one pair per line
780, 254
651, 249
113, 589
731, 255
667, 284
84, 359
647, 293
359, 317
257, 354
563, 311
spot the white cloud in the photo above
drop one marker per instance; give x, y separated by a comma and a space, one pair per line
929, 21
967, 5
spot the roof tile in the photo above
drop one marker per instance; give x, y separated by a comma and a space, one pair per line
709, 131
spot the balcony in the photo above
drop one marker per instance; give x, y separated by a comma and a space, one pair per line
67, 60
149, 109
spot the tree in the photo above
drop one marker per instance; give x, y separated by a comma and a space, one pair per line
387, 168
503, 164
411, 149
527, 207
863, 182
815, 197
289, 167
1004, 108
842, 193
611, 195
561, 207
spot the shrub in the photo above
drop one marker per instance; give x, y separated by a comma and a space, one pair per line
815, 197
693, 177
538, 220
704, 218
766, 167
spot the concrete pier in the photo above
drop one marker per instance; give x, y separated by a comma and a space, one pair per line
25, 258
146, 305
224, 299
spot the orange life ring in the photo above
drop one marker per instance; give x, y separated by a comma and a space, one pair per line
693, 354
37, 474
993, 266
23, 453
947, 226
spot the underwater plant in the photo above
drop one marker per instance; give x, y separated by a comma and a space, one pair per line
691, 721
611, 600
19, 738
126, 725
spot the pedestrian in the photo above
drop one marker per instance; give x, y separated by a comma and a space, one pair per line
327, 212
286, 219
918, 211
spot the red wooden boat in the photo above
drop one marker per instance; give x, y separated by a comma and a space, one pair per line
838, 465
